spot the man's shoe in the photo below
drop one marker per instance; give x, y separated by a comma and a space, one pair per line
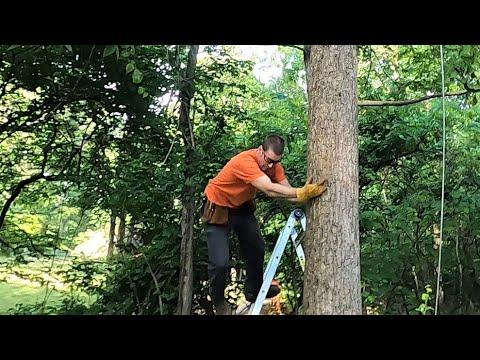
273, 291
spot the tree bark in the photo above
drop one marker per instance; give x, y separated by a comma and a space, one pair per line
332, 275
187, 90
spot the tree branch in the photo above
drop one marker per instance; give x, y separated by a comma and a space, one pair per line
295, 47
32, 244
68, 162
18, 189
412, 101
84, 138
160, 304
6, 244
24, 183
391, 161
31, 116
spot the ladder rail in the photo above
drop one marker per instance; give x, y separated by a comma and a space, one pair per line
288, 233
300, 253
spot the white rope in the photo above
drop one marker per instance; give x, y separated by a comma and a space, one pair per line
443, 187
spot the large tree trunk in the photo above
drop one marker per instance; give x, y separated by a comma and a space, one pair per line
187, 90
332, 275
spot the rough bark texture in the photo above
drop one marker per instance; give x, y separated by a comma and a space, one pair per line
332, 276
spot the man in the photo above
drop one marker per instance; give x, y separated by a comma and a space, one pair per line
230, 206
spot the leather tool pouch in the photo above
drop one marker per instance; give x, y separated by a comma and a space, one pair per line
214, 214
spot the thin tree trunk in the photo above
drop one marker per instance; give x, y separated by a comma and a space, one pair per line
111, 242
121, 229
187, 90
332, 275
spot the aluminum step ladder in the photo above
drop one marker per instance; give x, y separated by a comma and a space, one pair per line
289, 232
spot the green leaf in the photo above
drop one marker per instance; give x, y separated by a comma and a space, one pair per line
129, 68
421, 308
145, 94
137, 76
425, 297
141, 90
12, 47
109, 50
69, 48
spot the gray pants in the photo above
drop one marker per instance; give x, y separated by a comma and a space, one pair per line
252, 245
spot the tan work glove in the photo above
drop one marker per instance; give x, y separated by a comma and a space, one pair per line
310, 191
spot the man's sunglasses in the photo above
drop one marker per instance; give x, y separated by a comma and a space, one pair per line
270, 161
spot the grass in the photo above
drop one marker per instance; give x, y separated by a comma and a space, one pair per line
23, 278
24, 283
12, 294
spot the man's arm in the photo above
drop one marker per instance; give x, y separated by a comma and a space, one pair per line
275, 190
286, 183
284, 190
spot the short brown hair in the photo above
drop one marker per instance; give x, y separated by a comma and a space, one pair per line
274, 143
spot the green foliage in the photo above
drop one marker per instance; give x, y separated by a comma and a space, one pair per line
400, 177
109, 50
99, 126
424, 308
129, 67
137, 76
13, 296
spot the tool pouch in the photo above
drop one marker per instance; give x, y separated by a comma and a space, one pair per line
214, 214
246, 208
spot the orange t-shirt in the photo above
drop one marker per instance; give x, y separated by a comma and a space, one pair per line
231, 187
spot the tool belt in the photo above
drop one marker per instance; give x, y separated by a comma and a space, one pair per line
214, 214
218, 215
